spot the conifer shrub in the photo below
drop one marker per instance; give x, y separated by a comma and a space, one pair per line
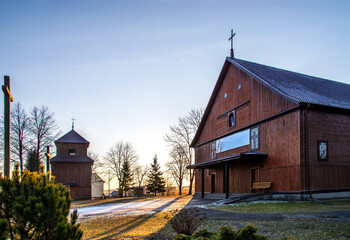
225, 233
203, 234
182, 237
33, 207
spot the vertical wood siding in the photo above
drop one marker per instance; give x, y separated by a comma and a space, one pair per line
280, 138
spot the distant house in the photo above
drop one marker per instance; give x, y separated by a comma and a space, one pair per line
71, 166
140, 191
268, 129
97, 184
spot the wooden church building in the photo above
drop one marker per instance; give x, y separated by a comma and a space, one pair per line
71, 166
268, 129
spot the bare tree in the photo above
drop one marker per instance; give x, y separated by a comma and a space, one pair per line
43, 129
98, 166
116, 156
181, 136
177, 166
169, 182
19, 133
140, 173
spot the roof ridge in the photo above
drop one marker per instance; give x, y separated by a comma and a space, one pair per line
72, 137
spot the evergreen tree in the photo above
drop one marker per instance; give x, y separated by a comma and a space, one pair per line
126, 178
156, 183
33, 207
32, 163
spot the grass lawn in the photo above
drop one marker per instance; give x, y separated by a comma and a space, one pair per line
284, 207
91, 202
156, 226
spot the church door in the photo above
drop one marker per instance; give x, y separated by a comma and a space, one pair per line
213, 183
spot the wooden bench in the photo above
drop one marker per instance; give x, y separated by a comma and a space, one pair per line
261, 185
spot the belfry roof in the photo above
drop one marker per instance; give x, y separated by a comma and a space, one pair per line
71, 137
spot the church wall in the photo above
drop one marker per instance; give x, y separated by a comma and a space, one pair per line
74, 173
333, 128
80, 148
252, 101
279, 137
216, 125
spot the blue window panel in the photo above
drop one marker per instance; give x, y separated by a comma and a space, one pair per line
233, 141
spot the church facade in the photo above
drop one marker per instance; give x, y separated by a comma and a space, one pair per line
72, 166
268, 129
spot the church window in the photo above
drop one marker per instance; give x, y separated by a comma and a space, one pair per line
231, 119
71, 152
232, 141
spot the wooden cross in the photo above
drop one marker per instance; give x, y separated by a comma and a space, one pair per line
73, 119
48, 156
7, 121
231, 39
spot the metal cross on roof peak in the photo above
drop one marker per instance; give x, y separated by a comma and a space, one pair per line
73, 119
231, 39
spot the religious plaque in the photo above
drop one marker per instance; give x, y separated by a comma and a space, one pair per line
254, 138
322, 150
213, 150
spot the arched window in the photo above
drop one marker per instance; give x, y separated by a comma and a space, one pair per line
231, 119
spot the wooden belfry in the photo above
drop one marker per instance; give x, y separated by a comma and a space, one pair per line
7, 121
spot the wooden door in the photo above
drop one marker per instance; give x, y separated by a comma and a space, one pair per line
73, 192
213, 183
254, 176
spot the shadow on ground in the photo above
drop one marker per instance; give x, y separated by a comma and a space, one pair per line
130, 225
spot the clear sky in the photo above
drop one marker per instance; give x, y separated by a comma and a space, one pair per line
126, 70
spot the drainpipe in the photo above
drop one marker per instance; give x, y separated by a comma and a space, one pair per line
307, 145
202, 194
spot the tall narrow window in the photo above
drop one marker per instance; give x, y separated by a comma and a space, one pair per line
231, 119
71, 152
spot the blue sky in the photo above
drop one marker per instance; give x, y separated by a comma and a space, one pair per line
126, 70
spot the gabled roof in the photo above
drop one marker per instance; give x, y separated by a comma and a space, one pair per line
295, 87
71, 137
71, 159
96, 178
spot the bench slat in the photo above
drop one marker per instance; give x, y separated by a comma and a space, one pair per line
261, 185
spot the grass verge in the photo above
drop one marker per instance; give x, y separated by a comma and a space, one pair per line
283, 207
156, 226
